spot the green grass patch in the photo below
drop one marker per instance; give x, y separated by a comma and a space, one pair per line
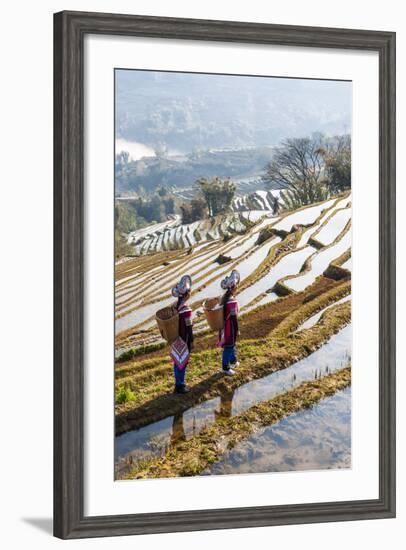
124, 394
142, 350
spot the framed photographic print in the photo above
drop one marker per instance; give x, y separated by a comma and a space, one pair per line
224, 274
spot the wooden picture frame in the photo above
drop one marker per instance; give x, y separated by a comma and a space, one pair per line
70, 29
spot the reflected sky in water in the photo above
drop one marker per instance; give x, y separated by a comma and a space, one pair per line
314, 439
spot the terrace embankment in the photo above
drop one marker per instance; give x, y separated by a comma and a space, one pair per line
151, 379
193, 456
258, 323
135, 301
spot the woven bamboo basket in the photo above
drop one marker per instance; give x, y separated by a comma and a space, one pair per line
167, 319
214, 313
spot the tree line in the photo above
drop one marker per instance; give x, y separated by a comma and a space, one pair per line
309, 170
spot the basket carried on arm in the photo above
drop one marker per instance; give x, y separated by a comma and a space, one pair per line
167, 319
214, 313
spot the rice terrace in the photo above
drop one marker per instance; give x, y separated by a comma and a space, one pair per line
284, 231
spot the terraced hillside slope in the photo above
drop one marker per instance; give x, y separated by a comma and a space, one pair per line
173, 235
295, 346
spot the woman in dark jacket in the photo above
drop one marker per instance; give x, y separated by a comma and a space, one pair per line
182, 292
228, 336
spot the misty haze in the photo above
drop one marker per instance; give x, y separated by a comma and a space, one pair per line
185, 112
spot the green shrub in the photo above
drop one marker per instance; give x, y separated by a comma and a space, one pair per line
124, 394
222, 259
264, 235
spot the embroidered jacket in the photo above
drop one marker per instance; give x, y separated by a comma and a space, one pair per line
231, 321
185, 325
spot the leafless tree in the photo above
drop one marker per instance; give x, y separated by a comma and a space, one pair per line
297, 160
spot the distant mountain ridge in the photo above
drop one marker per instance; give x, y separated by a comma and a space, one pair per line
188, 111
